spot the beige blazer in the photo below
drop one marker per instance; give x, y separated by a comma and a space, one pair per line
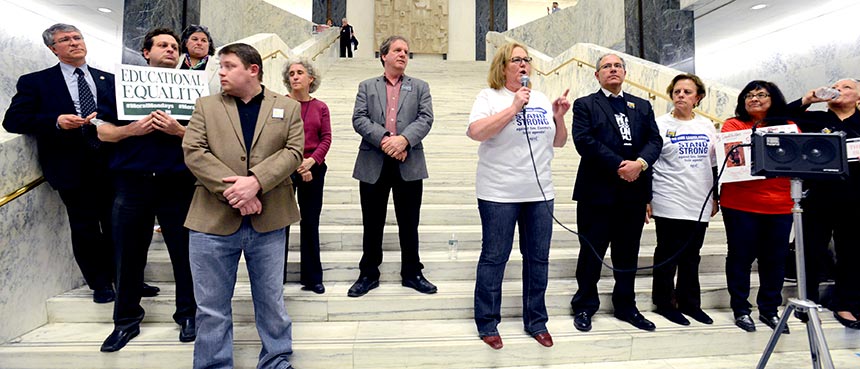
215, 148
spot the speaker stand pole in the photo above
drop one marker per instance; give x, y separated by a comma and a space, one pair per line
818, 350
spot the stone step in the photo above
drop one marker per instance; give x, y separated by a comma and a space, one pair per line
449, 343
391, 301
342, 266
341, 175
436, 237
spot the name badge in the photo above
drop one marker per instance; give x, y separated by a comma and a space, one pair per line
278, 113
406, 87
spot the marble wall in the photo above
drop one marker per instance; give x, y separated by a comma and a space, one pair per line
797, 57
574, 69
141, 16
594, 21
423, 23
657, 30
490, 16
254, 16
321, 8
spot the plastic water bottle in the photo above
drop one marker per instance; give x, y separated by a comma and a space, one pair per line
452, 247
827, 93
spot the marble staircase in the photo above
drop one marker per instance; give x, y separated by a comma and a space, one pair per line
395, 327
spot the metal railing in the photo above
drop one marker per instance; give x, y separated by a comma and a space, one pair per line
21, 191
652, 94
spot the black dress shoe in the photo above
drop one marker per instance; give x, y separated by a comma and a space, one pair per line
318, 288
673, 315
187, 330
104, 295
745, 322
420, 284
582, 321
772, 321
362, 286
119, 338
637, 320
149, 291
853, 324
698, 315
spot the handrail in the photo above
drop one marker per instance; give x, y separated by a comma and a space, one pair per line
275, 54
652, 95
24, 189
322, 50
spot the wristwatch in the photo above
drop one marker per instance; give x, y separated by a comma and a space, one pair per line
644, 163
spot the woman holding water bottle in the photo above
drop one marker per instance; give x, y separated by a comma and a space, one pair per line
518, 128
831, 207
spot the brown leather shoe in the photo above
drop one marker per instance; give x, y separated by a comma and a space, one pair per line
544, 339
495, 341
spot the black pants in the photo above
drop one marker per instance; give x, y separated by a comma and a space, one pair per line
407, 208
89, 211
672, 235
825, 217
140, 199
750, 237
600, 225
345, 48
310, 196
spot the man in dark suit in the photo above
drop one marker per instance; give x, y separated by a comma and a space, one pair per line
393, 113
617, 139
57, 106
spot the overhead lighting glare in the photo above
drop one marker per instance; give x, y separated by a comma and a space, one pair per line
759, 7
105, 10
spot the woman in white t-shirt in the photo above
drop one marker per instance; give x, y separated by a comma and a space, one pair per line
517, 128
683, 177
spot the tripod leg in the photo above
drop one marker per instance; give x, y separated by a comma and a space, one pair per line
813, 340
820, 344
771, 344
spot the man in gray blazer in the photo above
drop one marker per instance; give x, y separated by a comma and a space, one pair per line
393, 113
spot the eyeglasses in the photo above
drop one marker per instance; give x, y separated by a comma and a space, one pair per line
612, 65
77, 38
518, 60
760, 96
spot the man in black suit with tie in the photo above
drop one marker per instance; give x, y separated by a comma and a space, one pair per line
57, 106
617, 139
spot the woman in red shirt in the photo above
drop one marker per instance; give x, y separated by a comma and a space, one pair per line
301, 79
757, 216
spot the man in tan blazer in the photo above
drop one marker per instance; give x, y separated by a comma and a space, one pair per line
242, 146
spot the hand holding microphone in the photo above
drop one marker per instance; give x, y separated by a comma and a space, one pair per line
521, 98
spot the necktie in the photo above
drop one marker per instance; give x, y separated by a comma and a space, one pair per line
88, 106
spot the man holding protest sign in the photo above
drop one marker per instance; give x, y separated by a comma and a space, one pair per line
151, 181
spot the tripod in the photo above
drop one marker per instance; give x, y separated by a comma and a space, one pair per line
818, 350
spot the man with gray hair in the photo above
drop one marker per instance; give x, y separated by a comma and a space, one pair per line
617, 139
393, 113
57, 106
831, 208
346, 36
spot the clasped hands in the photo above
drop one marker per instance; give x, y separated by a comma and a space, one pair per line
629, 170
156, 121
394, 146
242, 194
72, 121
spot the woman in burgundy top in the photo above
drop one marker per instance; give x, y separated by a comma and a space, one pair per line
301, 79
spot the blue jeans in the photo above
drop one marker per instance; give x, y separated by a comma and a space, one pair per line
214, 260
497, 229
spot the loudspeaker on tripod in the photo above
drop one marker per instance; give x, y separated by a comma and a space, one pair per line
799, 155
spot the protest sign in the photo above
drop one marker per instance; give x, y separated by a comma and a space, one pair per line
142, 90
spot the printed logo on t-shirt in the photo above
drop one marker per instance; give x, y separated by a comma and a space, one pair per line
624, 128
693, 149
536, 122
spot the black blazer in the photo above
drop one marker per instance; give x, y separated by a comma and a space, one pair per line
63, 154
599, 144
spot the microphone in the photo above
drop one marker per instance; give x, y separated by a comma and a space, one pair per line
524, 79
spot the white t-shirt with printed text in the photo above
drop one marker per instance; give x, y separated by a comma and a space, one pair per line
505, 172
683, 175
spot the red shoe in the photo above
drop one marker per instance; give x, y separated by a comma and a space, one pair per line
496, 341
544, 339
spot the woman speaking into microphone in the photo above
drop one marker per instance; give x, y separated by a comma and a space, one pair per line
518, 128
